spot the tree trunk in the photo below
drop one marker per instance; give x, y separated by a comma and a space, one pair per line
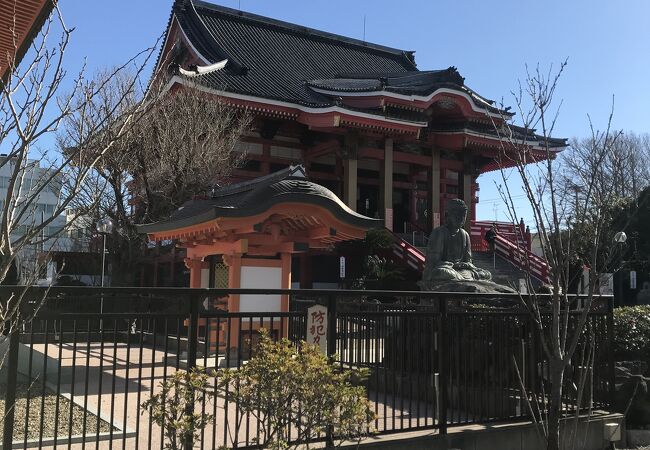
555, 406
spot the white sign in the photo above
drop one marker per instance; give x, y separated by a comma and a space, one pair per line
606, 282
523, 286
342, 267
632, 279
260, 278
317, 327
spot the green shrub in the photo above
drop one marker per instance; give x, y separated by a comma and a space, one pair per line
172, 408
632, 333
285, 387
381, 269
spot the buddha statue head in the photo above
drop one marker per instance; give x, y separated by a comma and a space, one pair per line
455, 214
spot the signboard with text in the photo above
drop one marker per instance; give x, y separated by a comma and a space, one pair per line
317, 327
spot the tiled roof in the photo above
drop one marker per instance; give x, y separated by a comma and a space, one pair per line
271, 59
20, 21
420, 83
274, 59
257, 196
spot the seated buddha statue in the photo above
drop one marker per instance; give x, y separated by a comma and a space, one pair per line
449, 254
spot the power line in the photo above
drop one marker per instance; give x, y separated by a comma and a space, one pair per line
513, 197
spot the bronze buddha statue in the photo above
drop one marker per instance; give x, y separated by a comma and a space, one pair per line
449, 253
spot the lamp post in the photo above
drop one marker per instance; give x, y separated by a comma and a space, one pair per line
104, 227
620, 238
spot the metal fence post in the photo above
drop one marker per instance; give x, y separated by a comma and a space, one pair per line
192, 346
192, 332
331, 350
12, 378
443, 366
331, 326
610, 350
535, 363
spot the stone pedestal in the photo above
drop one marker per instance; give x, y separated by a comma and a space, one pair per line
472, 286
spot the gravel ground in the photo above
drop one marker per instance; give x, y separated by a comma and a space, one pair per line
49, 415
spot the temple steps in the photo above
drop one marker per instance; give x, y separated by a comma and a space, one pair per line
503, 271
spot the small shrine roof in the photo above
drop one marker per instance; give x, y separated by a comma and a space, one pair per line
252, 198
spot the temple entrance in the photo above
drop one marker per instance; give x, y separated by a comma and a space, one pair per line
401, 210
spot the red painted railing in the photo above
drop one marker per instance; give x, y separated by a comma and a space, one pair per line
522, 258
512, 244
513, 233
404, 253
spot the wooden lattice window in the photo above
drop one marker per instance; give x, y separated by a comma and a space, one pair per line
221, 275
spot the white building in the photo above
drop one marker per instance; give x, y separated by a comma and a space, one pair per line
41, 206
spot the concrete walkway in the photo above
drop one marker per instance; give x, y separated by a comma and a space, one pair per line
115, 379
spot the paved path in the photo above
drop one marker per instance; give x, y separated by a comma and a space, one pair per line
106, 380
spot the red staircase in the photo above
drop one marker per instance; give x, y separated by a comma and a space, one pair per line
517, 234
405, 254
513, 243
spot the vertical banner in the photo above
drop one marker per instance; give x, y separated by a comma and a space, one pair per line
632, 279
317, 327
342, 267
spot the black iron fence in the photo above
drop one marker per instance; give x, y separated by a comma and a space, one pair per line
78, 372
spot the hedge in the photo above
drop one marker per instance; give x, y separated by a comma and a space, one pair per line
632, 333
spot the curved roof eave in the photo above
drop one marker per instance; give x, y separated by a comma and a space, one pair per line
426, 99
300, 108
337, 208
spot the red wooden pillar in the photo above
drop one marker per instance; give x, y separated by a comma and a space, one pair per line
196, 265
306, 279
234, 282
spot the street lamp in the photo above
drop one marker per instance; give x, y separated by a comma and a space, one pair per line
620, 238
104, 227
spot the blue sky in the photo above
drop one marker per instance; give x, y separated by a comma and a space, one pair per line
607, 44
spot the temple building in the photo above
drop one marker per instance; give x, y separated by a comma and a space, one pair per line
393, 142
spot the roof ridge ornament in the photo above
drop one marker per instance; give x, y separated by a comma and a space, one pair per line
195, 71
206, 33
